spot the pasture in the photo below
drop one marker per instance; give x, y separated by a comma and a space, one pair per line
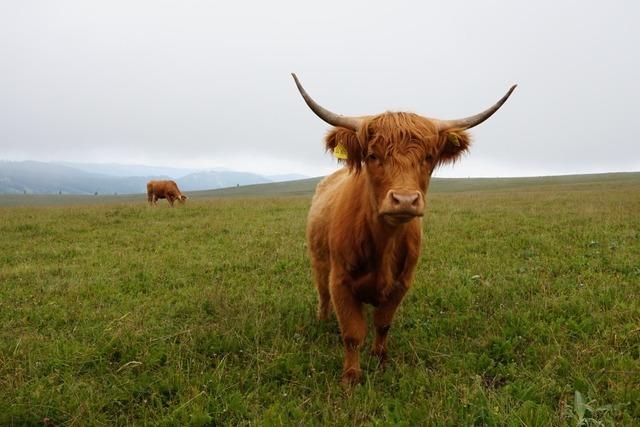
525, 310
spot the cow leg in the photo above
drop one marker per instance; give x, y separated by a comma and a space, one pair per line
352, 327
321, 275
382, 317
150, 199
170, 200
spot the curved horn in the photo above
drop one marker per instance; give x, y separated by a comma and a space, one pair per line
472, 121
333, 119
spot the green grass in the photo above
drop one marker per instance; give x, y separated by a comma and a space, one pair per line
525, 310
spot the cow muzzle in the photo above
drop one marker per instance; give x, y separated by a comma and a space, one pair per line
402, 206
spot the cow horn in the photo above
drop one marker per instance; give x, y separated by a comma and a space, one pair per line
333, 119
472, 121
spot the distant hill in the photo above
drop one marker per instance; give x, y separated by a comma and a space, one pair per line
31, 177
442, 185
287, 177
300, 187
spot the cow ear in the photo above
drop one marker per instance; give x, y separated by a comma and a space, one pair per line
345, 146
453, 144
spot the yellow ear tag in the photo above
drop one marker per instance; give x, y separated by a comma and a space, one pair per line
453, 138
340, 152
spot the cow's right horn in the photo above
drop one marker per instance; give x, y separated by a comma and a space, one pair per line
333, 119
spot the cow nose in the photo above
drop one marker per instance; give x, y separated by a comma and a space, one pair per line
402, 205
407, 200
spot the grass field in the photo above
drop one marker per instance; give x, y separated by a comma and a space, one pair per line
525, 310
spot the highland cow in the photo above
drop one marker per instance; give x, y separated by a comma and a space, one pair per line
365, 222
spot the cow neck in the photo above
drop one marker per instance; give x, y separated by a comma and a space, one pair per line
383, 239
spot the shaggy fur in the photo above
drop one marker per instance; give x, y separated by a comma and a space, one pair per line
164, 190
358, 255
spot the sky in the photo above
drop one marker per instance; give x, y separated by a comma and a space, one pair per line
207, 84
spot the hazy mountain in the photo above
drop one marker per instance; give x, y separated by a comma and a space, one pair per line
33, 177
49, 178
116, 169
219, 179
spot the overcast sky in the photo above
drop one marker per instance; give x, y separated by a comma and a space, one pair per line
207, 83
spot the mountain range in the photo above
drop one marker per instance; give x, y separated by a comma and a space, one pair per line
32, 177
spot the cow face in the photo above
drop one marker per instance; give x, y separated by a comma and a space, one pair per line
182, 198
396, 153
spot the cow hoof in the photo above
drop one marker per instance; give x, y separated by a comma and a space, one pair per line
351, 377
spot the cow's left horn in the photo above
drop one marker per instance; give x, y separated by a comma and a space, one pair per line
472, 121
333, 119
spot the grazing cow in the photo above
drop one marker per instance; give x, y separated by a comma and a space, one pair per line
164, 190
364, 228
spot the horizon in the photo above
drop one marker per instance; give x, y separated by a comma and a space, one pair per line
193, 170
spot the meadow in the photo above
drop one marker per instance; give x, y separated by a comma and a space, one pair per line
525, 311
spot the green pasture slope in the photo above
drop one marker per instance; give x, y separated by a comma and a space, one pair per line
525, 310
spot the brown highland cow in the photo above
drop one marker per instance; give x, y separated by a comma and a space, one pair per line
365, 223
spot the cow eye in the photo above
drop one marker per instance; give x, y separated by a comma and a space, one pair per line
372, 157
428, 158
